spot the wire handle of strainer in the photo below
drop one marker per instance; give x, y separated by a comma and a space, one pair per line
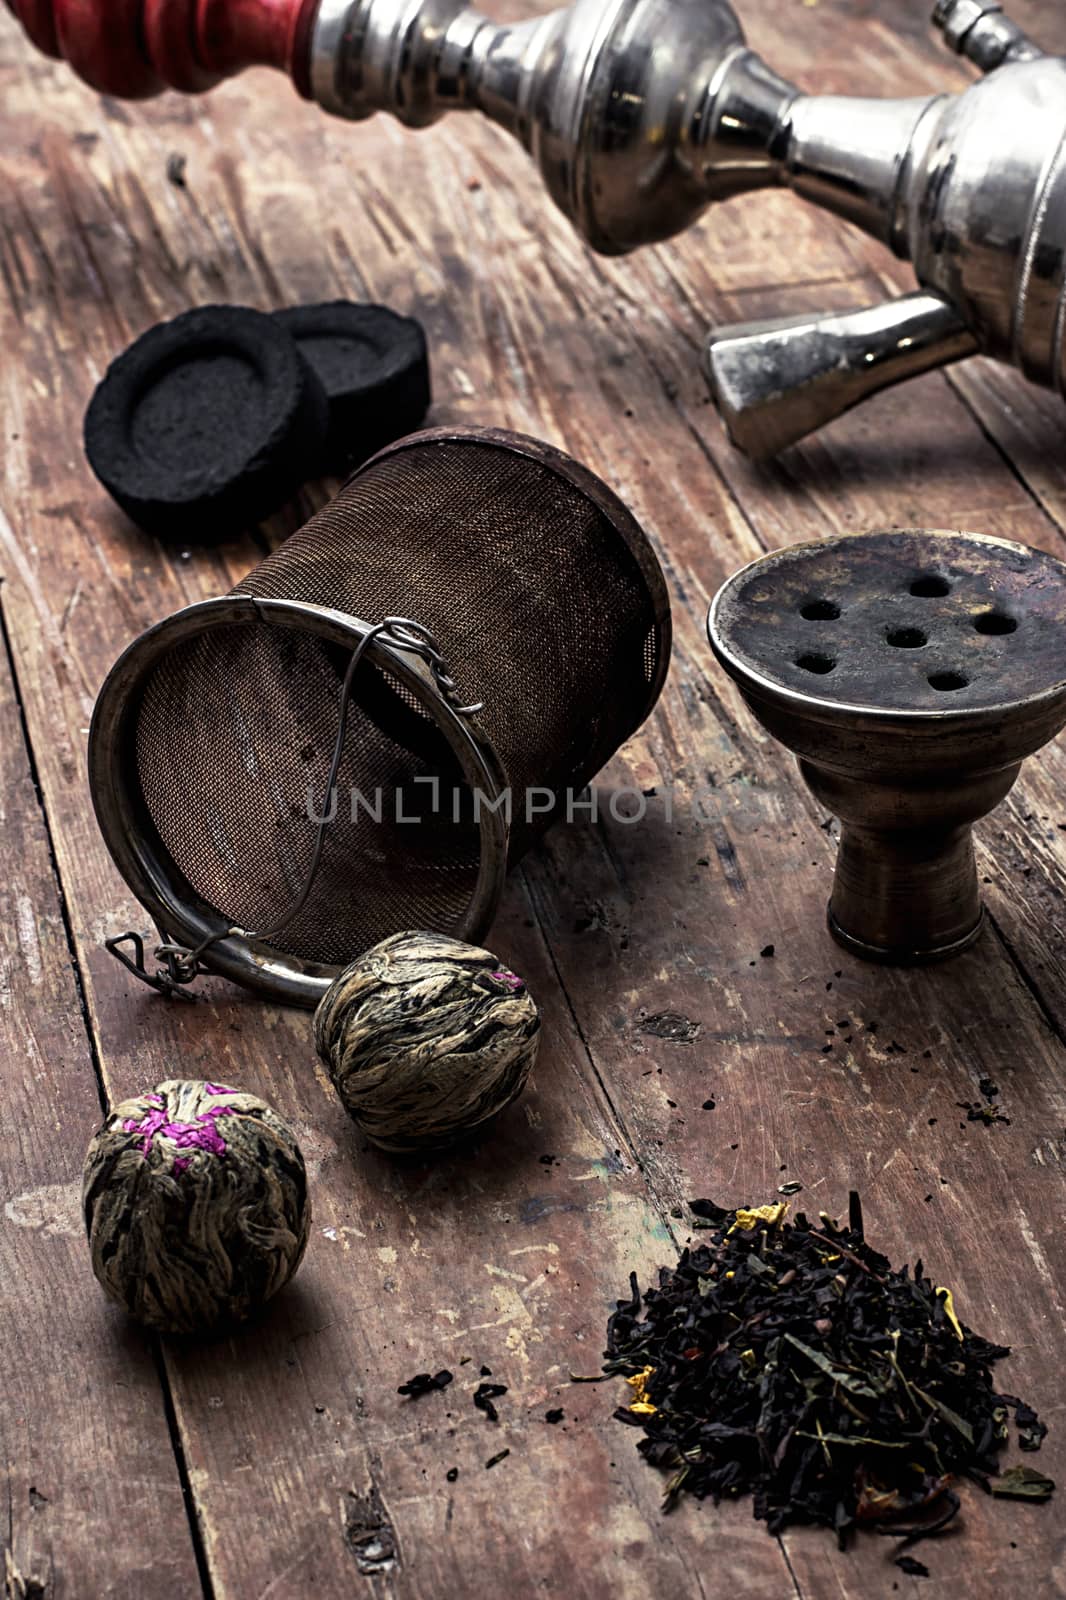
180, 965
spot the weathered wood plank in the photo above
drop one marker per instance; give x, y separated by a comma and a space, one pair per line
491, 1257
857, 1116
495, 1256
91, 1502
947, 474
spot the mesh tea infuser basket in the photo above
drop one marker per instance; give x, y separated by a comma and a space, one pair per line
474, 621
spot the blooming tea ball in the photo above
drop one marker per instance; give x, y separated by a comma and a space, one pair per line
426, 1038
196, 1205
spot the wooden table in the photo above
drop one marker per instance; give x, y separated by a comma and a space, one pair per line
282, 1463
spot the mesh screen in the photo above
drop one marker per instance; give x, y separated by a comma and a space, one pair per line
541, 611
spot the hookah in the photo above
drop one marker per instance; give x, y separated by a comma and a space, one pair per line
641, 113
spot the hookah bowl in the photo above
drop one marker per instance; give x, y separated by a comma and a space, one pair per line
911, 672
641, 113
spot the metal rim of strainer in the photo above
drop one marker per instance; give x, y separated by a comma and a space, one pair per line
142, 858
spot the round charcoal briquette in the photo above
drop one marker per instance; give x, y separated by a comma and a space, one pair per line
207, 424
374, 367
196, 1205
425, 1039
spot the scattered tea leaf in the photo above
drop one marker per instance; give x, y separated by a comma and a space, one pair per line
1022, 1483
485, 1394
981, 1111
913, 1568
423, 1383
847, 1379
948, 1302
794, 1363
855, 1440
1031, 1431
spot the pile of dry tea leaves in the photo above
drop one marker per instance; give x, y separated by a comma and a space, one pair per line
794, 1363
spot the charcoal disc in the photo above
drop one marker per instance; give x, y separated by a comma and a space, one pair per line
374, 367
207, 423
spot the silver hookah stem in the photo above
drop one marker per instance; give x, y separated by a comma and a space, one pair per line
640, 114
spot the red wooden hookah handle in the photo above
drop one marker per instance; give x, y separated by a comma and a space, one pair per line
136, 48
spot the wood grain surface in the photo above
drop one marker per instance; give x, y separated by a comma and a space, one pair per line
282, 1463
91, 1500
